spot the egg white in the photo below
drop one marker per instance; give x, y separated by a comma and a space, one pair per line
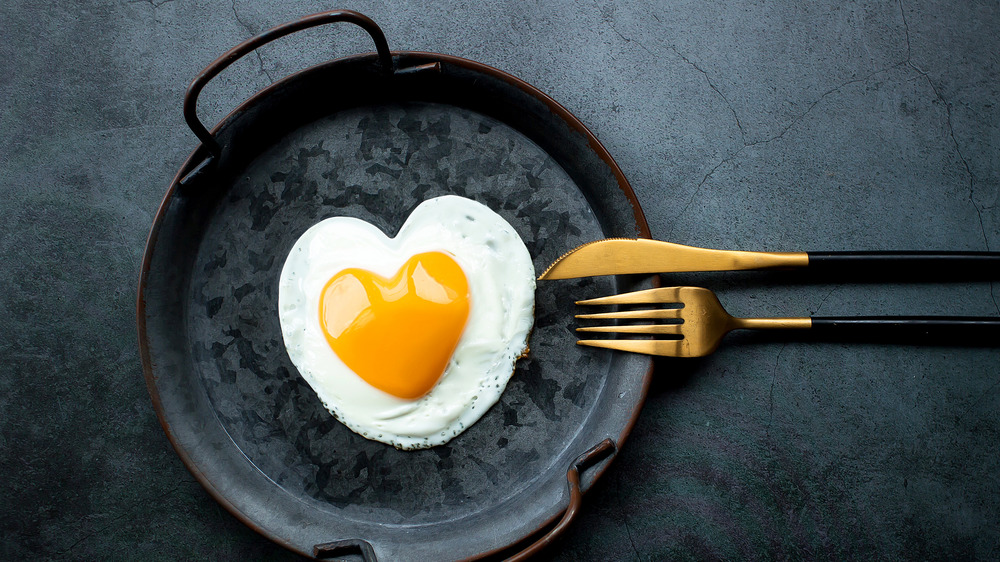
501, 281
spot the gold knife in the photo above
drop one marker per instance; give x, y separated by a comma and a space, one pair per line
615, 256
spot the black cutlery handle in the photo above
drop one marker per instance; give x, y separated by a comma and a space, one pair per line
919, 264
972, 330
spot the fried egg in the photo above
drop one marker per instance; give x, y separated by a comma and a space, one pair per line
409, 340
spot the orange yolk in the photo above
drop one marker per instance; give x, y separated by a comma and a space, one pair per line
397, 334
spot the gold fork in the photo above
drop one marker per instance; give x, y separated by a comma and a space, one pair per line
697, 324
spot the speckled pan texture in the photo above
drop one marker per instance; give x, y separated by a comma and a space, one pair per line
253, 429
377, 164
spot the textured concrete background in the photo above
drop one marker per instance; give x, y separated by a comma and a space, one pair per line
745, 125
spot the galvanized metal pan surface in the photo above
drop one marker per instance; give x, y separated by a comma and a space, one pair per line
372, 136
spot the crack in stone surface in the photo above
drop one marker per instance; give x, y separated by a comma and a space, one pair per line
833, 90
630, 40
798, 119
708, 79
697, 189
250, 30
692, 64
828, 295
152, 3
770, 400
951, 133
621, 508
714, 88
958, 149
781, 134
260, 59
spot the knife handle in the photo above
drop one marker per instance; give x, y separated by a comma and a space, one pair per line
920, 264
968, 330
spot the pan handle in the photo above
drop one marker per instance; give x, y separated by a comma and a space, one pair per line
234, 54
589, 458
341, 548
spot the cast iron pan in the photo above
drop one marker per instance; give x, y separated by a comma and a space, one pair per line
371, 136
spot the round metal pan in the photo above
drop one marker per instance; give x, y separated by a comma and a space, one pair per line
371, 136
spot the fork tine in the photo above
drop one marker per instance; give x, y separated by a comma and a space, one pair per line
666, 348
634, 314
648, 296
670, 329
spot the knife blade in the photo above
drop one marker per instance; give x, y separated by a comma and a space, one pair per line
615, 256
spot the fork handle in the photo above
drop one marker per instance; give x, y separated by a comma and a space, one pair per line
922, 264
955, 329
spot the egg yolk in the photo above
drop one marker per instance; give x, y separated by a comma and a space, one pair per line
397, 334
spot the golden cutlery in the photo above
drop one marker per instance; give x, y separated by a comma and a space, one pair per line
692, 323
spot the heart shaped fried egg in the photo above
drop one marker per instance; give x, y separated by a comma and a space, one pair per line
409, 340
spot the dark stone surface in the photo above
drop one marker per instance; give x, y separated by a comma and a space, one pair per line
746, 125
